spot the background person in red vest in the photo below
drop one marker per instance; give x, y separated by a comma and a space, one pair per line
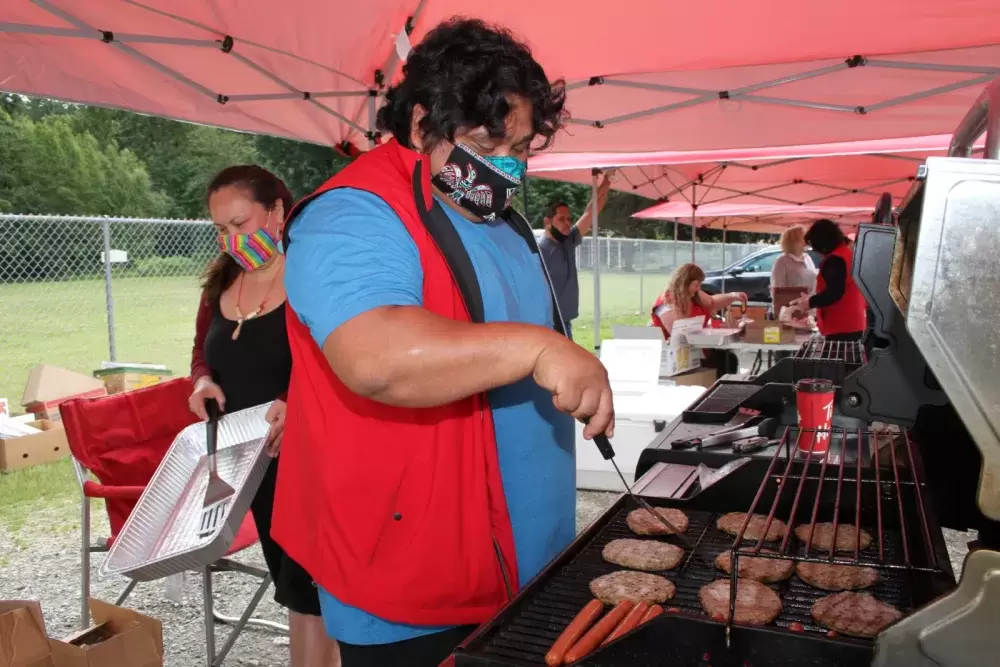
841, 311
683, 298
428, 461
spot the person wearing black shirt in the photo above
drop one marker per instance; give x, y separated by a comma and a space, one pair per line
841, 311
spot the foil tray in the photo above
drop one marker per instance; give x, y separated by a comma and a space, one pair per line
160, 537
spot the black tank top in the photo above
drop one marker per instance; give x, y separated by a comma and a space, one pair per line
256, 367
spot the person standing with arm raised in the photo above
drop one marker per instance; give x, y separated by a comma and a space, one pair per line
559, 245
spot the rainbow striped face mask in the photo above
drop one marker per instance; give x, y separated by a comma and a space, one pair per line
251, 251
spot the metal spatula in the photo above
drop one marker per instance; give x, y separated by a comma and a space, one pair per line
608, 452
218, 493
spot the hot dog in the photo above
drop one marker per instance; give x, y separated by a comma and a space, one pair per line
654, 611
590, 613
596, 634
630, 622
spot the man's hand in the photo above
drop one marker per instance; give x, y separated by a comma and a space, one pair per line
276, 418
205, 389
579, 385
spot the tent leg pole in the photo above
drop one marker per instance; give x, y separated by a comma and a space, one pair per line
371, 119
677, 240
595, 210
524, 193
694, 221
724, 258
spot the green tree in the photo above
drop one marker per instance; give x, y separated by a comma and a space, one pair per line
303, 167
49, 168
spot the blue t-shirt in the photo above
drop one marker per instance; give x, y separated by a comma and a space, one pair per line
350, 253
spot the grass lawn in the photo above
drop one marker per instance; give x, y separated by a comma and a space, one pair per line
65, 324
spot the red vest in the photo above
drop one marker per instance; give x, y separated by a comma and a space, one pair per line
397, 511
849, 314
654, 319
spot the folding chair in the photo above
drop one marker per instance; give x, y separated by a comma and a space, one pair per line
120, 440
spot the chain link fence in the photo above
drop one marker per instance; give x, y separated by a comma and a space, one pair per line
76, 291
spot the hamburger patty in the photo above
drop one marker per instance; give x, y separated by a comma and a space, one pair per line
642, 521
855, 614
823, 536
756, 604
732, 522
837, 577
632, 586
766, 570
643, 554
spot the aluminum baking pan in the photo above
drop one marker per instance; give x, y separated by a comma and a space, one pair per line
160, 537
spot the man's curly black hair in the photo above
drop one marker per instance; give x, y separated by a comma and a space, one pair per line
462, 73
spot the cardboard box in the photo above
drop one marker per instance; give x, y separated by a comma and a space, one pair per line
119, 638
126, 378
31, 450
23, 642
768, 332
48, 386
703, 377
677, 355
785, 295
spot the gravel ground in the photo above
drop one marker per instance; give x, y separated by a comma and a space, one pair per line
41, 562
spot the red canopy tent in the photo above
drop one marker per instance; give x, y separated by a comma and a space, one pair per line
642, 74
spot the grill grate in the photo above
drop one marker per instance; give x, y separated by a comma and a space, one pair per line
535, 622
833, 350
858, 492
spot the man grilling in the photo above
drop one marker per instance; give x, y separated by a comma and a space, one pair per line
428, 451
559, 246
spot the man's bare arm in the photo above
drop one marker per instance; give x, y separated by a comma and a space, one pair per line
410, 357
586, 220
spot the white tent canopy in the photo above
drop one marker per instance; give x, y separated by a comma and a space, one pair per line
642, 74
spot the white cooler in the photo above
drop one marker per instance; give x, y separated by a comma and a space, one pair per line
634, 416
640, 399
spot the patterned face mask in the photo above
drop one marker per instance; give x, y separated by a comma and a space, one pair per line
251, 251
483, 185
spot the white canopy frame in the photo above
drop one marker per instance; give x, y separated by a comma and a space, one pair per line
356, 124
229, 45
984, 74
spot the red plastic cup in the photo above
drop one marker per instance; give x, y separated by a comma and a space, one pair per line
814, 402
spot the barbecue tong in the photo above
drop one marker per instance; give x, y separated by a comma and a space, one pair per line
756, 427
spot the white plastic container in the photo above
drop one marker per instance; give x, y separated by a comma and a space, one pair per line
713, 337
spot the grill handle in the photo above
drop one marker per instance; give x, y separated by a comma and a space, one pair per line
602, 442
604, 446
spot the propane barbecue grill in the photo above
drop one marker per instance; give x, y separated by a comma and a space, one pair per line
915, 447
907, 547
